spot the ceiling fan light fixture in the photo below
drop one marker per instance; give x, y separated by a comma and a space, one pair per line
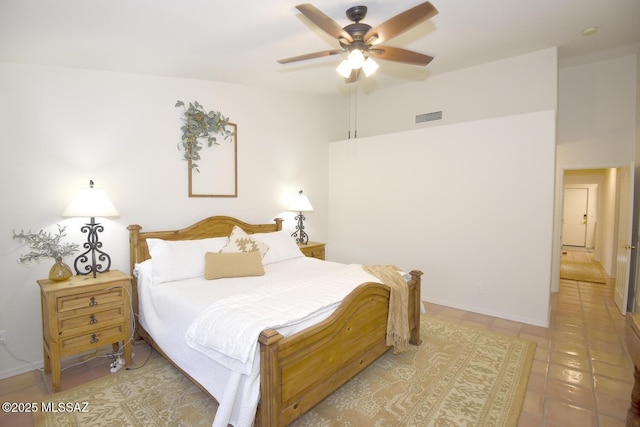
355, 59
369, 67
344, 69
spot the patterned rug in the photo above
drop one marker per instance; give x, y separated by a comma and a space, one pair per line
582, 271
459, 375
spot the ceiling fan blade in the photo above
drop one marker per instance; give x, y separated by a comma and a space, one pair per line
325, 23
397, 54
400, 23
311, 56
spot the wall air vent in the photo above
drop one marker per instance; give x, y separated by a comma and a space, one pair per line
429, 117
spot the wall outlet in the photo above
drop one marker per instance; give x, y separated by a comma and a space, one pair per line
3, 337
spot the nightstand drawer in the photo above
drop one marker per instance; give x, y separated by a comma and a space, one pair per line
315, 253
90, 299
93, 318
91, 339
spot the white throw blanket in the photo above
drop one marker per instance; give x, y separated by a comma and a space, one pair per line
227, 331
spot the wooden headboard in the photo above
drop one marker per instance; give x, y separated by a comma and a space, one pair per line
215, 226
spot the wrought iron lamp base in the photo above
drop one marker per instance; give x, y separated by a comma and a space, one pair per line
92, 246
303, 237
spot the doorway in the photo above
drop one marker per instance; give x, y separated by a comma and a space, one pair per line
604, 205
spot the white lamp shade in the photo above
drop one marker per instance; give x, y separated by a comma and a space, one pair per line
369, 67
301, 203
355, 59
344, 69
90, 202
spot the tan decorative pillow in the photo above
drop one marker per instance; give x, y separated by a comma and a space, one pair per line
240, 241
232, 264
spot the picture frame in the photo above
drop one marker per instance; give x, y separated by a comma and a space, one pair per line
217, 174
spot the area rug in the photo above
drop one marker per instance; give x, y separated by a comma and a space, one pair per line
459, 375
582, 271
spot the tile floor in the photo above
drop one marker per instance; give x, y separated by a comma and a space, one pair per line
581, 376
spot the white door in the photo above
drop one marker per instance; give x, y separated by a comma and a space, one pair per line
574, 216
623, 253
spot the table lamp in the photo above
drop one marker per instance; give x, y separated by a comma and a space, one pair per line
91, 202
301, 204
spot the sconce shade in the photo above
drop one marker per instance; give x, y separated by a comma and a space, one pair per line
90, 202
301, 203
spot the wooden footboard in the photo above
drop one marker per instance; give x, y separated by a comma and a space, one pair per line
299, 371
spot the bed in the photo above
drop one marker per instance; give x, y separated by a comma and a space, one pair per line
296, 366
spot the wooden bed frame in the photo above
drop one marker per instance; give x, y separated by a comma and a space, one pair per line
299, 371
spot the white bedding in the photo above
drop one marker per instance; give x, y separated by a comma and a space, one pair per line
303, 291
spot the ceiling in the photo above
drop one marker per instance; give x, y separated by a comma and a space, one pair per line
240, 41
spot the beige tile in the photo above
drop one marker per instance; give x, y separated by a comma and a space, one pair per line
613, 388
613, 407
533, 403
571, 376
563, 414
617, 358
622, 373
575, 395
608, 421
581, 363
528, 419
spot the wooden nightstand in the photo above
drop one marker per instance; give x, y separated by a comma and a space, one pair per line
82, 314
313, 249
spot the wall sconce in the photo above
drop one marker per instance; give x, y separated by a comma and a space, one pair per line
91, 202
301, 204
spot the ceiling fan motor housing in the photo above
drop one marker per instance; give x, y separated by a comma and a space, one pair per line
356, 30
357, 13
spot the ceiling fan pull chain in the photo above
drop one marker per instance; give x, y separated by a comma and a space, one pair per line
349, 113
355, 120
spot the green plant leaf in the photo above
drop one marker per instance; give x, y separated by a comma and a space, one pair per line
200, 125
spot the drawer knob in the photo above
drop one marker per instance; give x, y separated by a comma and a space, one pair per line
93, 320
94, 339
93, 301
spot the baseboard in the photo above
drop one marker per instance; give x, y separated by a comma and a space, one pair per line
488, 312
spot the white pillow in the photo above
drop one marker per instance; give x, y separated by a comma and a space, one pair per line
281, 246
240, 241
181, 259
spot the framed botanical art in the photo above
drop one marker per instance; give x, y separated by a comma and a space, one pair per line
217, 172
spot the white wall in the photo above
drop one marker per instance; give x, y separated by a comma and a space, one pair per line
62, 127
435, 174
597, 114
515, 85
470, 204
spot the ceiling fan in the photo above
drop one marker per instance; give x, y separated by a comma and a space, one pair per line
362, 42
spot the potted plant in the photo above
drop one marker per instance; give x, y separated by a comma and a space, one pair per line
48, 245
200, 125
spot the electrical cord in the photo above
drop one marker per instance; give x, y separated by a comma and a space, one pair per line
4, 345
144, 363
